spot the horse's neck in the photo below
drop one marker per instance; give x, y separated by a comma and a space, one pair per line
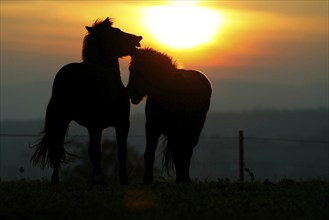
109, 62
109, 69
111, 65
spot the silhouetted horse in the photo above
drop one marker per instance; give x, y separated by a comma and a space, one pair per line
177, 104
92, 94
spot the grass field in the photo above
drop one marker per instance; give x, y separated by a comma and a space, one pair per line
165, 200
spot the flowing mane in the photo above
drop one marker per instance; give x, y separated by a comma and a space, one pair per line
154, 59
93, 43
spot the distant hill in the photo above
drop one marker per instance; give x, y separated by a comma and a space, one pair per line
259, 123
30, 100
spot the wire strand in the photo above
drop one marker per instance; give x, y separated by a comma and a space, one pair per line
202, 137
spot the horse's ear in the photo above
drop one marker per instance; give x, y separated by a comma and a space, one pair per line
89, 29
107, 21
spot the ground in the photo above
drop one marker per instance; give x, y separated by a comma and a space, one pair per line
222, 199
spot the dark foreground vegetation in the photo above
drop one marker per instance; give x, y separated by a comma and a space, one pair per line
221, 199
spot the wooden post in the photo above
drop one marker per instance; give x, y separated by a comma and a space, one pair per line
241, 155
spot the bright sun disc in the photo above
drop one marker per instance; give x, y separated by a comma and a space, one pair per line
182, 27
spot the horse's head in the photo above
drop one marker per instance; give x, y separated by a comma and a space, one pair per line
104, 41
149, 70
136, 87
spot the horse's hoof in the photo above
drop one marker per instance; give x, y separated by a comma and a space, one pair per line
100, 183
124, 182
148, 181
183, 181
99, 180
54, 180
124, 179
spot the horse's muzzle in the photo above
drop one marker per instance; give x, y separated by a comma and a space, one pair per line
139, 38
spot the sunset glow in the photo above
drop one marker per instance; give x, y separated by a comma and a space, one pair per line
182, 26
238, 44
272, 40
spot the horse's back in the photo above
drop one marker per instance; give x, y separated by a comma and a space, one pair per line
195, 81
86, 76
91, 95
185, 105
193, 89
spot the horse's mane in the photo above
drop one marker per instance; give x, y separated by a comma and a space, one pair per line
153, 58
91, 43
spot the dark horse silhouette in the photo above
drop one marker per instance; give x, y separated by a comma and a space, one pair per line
92, 94
177, 104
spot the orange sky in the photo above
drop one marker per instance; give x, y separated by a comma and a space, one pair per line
271, 44
254, 35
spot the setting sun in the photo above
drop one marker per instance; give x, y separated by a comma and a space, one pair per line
182, 26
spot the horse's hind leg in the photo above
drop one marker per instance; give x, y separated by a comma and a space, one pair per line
186, 162
185, 152
122, 135
182, 166
181, 153
95, 151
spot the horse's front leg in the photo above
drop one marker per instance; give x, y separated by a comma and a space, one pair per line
55, 176
152, 136
95, 152
122, 135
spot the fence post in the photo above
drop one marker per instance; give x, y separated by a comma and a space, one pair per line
241, 156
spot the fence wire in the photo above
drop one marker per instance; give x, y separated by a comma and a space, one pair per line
201, 137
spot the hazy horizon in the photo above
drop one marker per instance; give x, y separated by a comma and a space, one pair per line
18, 101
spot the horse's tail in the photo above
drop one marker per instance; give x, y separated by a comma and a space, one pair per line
40, 154
49, 149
